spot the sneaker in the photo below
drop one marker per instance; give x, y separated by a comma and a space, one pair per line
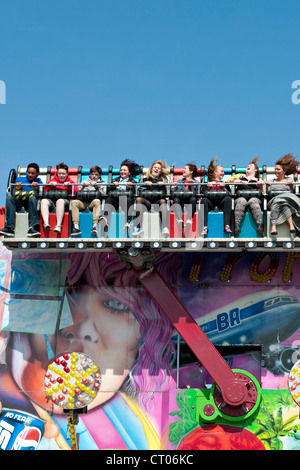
75, 232
47, 227
127, 227
32, 232
137, 232
94, 231
188, 223
103, 222
7, 232
237, 229
180, 222
166, 232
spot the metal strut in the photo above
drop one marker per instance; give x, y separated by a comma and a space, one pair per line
234, 388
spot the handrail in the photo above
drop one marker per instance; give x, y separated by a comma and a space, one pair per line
232, 185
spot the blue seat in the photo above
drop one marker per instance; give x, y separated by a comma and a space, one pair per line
86, 225
116, 226
248, 227
215, 224
115, 229
85, 173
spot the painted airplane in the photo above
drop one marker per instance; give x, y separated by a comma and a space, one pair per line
265, 319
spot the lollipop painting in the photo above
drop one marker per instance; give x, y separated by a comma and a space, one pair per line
294, 383
72, 381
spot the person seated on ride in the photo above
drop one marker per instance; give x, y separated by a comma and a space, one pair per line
184, 195
284, 204
24, 195
216, 194
153, 191
56, 195
89, 196
121, 193
249, 195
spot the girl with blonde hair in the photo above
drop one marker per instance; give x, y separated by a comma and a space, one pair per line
153, 191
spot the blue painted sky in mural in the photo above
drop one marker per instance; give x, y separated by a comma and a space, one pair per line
91, 82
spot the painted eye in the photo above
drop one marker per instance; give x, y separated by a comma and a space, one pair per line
69, 336
115, 306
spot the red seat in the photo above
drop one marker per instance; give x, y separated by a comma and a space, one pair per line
2, 216
176, 232
71, 172
177, 174
52, 221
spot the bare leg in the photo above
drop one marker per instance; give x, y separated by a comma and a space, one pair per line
273, 228
290, 222
45, 211
60, 211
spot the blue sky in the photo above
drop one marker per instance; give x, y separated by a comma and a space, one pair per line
93, 81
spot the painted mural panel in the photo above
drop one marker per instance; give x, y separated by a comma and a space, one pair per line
246, 303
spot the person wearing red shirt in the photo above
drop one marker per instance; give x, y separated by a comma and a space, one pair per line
57, 194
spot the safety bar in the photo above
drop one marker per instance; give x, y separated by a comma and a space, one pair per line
137, 185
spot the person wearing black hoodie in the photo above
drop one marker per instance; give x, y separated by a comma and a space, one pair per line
24, 194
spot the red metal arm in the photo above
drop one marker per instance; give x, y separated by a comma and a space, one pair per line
234, 391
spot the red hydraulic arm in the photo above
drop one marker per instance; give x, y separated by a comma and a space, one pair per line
235, 389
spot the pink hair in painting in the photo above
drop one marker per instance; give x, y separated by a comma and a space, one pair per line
105, 273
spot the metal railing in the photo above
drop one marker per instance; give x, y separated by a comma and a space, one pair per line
136, 185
